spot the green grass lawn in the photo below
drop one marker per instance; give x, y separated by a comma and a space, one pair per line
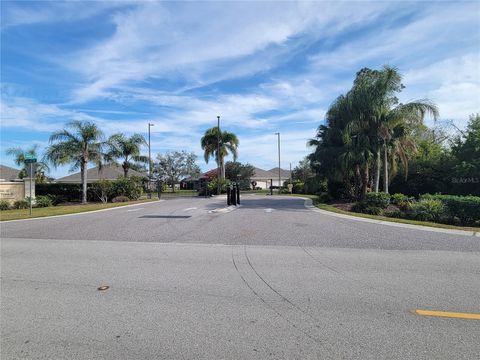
62, 210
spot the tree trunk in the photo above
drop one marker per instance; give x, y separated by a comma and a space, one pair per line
83, 167
358, 182
222, 169
376, 179
125, 170
365, 177
385, 168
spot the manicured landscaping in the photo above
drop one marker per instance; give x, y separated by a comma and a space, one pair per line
17, 214
334, 209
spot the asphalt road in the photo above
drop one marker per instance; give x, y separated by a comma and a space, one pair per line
272, 279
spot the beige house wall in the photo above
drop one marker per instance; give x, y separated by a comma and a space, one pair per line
11, 191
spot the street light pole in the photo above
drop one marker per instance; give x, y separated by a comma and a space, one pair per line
149, 162
218, 154
279, 178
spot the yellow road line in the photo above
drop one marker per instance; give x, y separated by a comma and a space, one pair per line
448, 314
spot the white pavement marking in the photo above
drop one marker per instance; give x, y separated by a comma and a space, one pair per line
268, 210
191, 208
135, 210
308, 205
224, 210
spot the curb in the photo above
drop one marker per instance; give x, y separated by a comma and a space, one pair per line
82, 213
309, 205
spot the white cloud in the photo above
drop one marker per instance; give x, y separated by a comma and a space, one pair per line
19, 13
453, 84
18, 112
160, 40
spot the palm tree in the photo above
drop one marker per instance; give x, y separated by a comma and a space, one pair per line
227, 143
395, 131
126, 149
78, 144
374, 97
19, 159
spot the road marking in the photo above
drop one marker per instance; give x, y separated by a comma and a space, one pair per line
192, 208
135, 209
268, 210
448, 314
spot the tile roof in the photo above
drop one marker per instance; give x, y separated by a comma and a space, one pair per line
8, 174
108, 172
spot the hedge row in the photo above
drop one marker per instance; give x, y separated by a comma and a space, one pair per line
465, 208
448, 209
130, 187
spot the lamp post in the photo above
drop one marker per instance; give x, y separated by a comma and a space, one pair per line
149, 162
218, 154
279, 178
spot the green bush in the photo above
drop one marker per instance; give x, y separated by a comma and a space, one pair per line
402, 201
465, 208
212, 186
324, 197
379, 199
428, 210
399, 198
4, 205
363, 207
64, 192
57, 199
43, 201
102, 189
120, 198
129, 187
21, 204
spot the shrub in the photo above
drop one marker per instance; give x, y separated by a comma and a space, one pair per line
102, 189
402, 201
428, 210
379, 199
465, 208
43, 201
57, 199
65, 192
21, 204
399, 198
120, 198
324, 197
4, 205
363, 207
212, 186
129, 187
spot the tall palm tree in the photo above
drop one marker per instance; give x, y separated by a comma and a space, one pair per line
19, 159
227, 143
126, 149
395, 131
374, 97
79, 143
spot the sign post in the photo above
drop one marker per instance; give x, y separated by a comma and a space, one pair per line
30, 159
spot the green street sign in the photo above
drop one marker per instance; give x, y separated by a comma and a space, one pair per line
29, 156
31, 160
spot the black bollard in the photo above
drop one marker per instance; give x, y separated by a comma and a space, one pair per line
234, 196
238, 194
229, 194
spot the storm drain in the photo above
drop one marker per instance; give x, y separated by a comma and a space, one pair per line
165, 216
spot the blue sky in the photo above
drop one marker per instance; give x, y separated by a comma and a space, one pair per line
264, 67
